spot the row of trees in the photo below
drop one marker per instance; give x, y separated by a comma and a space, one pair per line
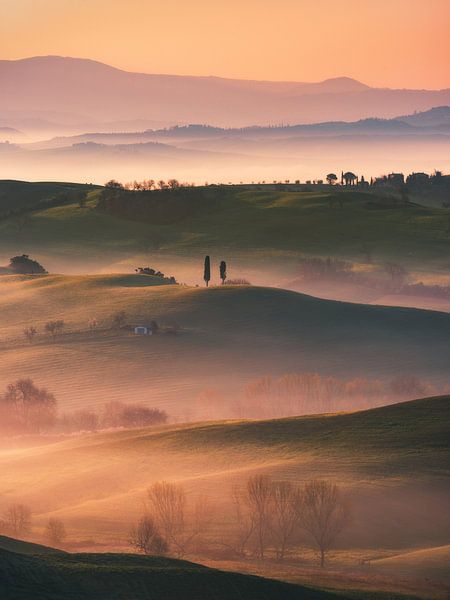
269, 516
207, 271
269, 519
117, 320
52, 328
25, 408
301, 393
147, 185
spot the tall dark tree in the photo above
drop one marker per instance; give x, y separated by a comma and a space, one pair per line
207, 271
223, 271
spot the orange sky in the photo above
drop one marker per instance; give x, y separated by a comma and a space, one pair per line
392, 43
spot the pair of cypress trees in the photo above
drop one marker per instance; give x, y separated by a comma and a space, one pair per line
207, 271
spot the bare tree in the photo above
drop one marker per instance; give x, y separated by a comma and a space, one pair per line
323, 513
145, 537
168, 506
397, 273
54, 328
27, 407
245, 524
119, 319
286, 499
259, 499
55, 532
18, 519
30, 333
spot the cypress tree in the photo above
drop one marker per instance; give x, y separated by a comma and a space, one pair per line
207, 271
223, 271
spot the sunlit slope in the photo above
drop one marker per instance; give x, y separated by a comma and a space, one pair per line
429, 562
118, 576
255, 229
229, 335
393, 459
23, 197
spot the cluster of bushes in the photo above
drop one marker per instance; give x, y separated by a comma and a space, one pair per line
27, 409
113, 415
155, 273
24, 265
268, 519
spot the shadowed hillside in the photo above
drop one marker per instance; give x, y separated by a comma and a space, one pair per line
118, 576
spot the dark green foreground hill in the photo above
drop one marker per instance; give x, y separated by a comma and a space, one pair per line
132, 577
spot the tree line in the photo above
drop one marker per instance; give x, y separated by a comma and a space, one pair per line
27, 409
269, 518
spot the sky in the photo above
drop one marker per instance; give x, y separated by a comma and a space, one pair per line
384, 43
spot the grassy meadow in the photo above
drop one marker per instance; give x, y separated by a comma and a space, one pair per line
261, 233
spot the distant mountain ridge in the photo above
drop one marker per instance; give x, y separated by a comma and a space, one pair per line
432, 122
97, 91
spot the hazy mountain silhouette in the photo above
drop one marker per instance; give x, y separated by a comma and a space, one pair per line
92, 91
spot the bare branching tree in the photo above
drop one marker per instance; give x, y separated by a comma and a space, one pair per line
17, 519
259, 499
244, 522
30, 333
145, 537
55, 532
54, 328
25, 407
323, 513
286, 499
168, 507
119, 319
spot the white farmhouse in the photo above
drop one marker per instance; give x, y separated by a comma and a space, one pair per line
143, 330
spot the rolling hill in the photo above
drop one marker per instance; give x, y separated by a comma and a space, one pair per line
221, 333
390, 461
428, 562
261, 231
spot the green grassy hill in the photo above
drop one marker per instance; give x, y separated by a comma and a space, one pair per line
118, 576
260, 232
20, 197
229, 336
